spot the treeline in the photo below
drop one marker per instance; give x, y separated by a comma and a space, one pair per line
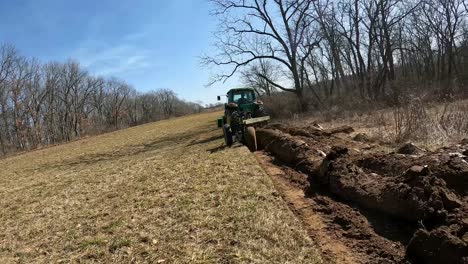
43, 104
327, 51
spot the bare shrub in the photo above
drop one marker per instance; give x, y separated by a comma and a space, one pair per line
410, 120
429, 124
281, 105
454, 119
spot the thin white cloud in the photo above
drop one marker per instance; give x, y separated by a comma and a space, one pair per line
106, 59
133, 63
135, 36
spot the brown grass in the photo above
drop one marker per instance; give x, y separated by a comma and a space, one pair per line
429, 125
166, 192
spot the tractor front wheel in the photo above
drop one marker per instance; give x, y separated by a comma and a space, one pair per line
251, 138
227, 135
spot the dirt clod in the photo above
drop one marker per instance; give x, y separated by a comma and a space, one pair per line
417, 171
437, 246
317, 125
361, 137
410, 149
414, 185
450, 200
342, 129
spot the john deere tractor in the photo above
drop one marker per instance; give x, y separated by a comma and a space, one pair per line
242, 113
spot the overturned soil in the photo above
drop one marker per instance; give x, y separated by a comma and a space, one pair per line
363, 203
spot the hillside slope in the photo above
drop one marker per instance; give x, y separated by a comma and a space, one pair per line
166, 192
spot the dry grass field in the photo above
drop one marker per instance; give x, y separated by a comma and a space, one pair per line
166, 192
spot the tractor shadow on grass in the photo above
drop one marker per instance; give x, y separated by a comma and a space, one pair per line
206, 140
222, 147
216, 149
127, 150
110, 156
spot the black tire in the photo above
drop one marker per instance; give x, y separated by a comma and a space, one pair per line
260, 112
227, 135
251, 138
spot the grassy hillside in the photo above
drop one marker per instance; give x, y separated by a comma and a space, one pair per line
166, 192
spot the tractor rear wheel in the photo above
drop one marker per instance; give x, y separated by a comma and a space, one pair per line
227, 135
251, 138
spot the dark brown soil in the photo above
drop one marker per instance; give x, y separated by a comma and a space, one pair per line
449, 166
390, 200
342, 232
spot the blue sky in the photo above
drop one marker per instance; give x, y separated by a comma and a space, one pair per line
149, 43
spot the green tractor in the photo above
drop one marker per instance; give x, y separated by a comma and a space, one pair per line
242, 113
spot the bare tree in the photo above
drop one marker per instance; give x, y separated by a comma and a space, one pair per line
56, 102
117, 93
7, 58
445, 19
257, 74
36, 94
166, 99
251, 31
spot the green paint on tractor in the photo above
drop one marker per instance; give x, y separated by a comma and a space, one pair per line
242, 104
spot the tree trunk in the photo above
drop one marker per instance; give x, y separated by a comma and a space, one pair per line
2, 144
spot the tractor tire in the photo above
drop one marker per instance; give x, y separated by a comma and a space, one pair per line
251, 138
227, 135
